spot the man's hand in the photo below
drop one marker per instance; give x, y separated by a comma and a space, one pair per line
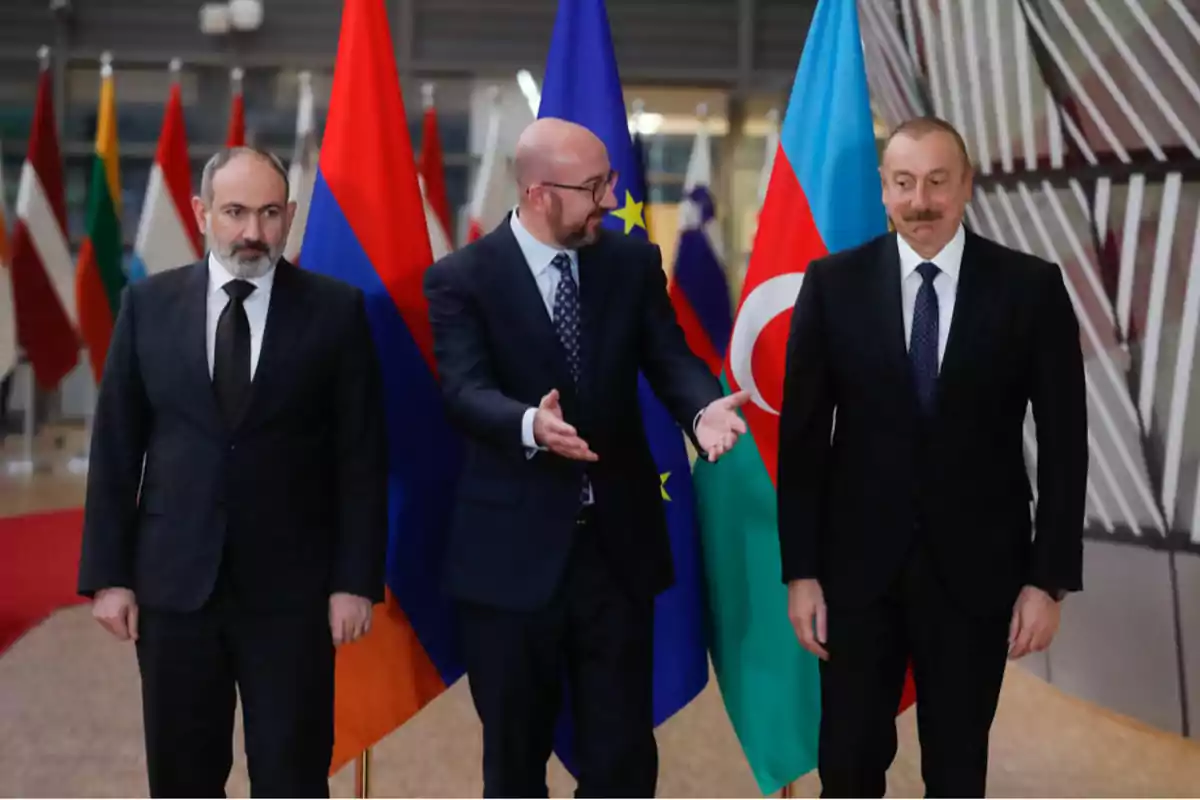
720, 425
349, 617
1034, 623
551, 431
116, 609
806, 609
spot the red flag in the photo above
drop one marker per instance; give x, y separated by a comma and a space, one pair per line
432, 165
236, 137
43, 272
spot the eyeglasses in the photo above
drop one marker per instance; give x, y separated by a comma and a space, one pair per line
597, 187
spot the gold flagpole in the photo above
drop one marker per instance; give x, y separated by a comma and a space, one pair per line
362, 775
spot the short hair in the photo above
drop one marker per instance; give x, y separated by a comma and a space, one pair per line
919, 126
227, 154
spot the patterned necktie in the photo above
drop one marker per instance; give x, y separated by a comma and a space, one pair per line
923, 345
566, 314
566, 325
231, 359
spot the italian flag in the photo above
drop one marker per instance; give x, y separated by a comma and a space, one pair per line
823, 196
99, 276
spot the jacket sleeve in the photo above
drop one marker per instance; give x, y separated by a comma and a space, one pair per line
361, 435
805, 425
1059, 401
679, 378
120, 430
469, 386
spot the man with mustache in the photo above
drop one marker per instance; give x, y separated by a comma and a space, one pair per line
235, 525
905, 527
559, 544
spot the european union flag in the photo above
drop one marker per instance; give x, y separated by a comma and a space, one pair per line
582, 85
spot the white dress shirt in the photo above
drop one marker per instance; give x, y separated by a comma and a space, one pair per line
256, 306
949, 262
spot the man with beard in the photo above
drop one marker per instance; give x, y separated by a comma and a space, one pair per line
559, 545
905, 528
235, 525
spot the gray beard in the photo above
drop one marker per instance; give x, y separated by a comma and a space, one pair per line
253, 268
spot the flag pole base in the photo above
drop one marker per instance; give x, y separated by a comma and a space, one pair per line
362, 775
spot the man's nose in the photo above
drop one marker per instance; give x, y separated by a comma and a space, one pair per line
252, 229
609, 201
920, 198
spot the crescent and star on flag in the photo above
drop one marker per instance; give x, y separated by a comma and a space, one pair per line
767, 301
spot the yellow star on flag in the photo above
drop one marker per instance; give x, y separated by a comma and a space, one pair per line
630, 214
662, 480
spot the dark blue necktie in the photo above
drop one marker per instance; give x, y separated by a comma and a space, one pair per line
566, 325
566, 313
923, 345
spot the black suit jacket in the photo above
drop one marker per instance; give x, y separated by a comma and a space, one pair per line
291, 501
851, 504
498, 354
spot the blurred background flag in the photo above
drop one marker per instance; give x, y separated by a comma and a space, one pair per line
42, 270
303, 169
99, 274
167, 235
699, 289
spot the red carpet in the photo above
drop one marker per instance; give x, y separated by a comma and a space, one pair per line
39, 557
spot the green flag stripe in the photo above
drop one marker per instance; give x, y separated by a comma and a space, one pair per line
104, 229
770, 686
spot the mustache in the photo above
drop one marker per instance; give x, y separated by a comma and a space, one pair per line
255, 245
923, 215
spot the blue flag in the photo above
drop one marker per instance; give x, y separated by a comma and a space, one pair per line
582, 85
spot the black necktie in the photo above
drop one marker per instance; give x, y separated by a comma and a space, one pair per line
231, 361
923, 346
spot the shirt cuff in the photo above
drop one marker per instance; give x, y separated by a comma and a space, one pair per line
531, 446
696, 422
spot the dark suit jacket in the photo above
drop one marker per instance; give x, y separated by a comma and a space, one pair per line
291, 502
497, 354
850, 507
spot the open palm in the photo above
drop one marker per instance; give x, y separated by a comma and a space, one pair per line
721, 425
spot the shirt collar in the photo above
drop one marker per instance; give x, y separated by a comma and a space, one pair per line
218, 276
538, 254
949, 260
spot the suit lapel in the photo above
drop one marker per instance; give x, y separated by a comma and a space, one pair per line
530, 315
282, 335
890, 310
970, 311
194, 335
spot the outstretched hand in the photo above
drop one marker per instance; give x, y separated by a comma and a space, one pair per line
721, 425
551, 431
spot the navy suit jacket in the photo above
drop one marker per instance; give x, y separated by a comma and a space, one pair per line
498, 354
289, 503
